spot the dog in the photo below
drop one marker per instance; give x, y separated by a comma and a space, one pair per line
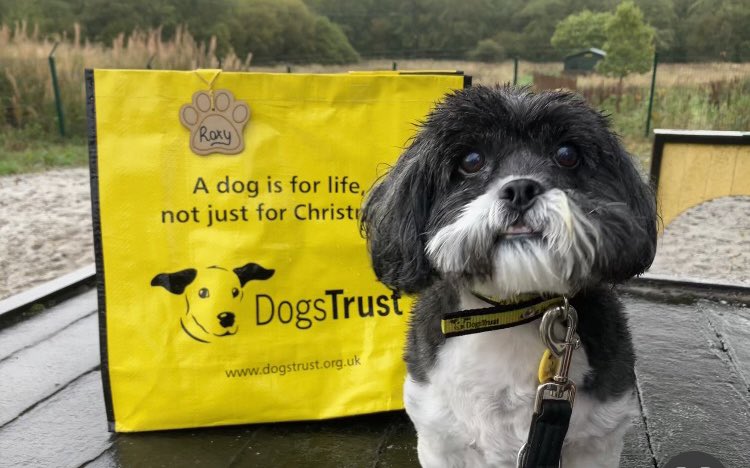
504, 192
213, 300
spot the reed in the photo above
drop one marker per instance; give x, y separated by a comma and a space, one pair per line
711, 96
26, 95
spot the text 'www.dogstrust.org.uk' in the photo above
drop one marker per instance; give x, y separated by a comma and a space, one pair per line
283, 369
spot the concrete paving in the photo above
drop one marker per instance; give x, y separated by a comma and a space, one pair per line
693, 375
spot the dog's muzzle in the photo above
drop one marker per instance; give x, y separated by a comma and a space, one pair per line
520, 194
226, 319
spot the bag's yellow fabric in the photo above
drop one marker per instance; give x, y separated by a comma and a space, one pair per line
234, 284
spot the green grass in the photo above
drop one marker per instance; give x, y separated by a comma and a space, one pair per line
33, 145
22, 152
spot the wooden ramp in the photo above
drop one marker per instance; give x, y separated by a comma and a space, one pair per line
690, 167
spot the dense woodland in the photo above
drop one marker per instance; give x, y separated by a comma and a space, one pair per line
341, 31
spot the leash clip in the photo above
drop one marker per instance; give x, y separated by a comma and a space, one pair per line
559, 388
565, 316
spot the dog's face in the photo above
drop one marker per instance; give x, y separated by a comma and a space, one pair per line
212, 297
214, 301
525, 192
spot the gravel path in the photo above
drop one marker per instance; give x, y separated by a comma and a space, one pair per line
45, 227
45, 231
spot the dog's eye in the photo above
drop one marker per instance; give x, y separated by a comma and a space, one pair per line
472, 163
235, 292
566, 156
203, 292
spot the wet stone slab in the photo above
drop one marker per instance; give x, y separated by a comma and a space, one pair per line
693, 371
693, 392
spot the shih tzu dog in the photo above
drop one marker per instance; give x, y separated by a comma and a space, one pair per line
504, 193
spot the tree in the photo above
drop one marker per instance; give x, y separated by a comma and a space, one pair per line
661, 15
581, 31
50, 16
540, 17
103, 20
629, 46
716, 30
487, 50
287, 31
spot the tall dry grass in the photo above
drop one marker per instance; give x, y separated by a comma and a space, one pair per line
482, 73
691, 96
26, 95
669, 74
697, 96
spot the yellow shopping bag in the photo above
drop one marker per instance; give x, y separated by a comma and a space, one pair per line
234, 286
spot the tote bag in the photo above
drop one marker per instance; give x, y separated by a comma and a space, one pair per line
234, 285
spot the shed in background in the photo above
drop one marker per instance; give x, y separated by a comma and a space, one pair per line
584, 61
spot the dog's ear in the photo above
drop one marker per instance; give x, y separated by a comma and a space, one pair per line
175, 282
252, 271
394, 218
637, 246
642, 200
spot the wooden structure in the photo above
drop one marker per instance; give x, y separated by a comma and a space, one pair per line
584, 61
691, 167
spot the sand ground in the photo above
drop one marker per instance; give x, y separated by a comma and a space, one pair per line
45, 227
45, 231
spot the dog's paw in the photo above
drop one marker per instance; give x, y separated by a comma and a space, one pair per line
215, 127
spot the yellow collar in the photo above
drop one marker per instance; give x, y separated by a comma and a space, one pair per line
502, 314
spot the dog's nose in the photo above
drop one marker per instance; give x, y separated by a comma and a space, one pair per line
226, 319
520, 193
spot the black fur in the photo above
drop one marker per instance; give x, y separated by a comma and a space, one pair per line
518, 132
425, 336
602, 327
395, 219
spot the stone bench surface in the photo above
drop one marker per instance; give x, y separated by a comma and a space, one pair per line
693, 374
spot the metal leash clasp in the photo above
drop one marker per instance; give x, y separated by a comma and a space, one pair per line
567, 317
560, 388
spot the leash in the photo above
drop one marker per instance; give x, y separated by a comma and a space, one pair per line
555, 395
553, 405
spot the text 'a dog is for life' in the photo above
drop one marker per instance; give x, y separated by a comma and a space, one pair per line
209, 215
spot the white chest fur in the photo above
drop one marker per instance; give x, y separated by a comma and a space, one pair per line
476, 408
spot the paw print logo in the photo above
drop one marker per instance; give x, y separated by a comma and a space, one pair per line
216, 125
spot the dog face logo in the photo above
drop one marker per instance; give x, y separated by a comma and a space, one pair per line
216, 122
212, 298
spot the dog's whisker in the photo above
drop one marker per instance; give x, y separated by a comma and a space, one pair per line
601, 207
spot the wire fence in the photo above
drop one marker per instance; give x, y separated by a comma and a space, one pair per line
41, 83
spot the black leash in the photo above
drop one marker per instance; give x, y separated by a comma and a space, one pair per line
549, 426
555, 395
553, 405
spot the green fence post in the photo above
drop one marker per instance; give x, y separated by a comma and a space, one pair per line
395, 66
515, 71
651, 94
56, 89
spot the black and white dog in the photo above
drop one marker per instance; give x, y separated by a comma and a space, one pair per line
505, 192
